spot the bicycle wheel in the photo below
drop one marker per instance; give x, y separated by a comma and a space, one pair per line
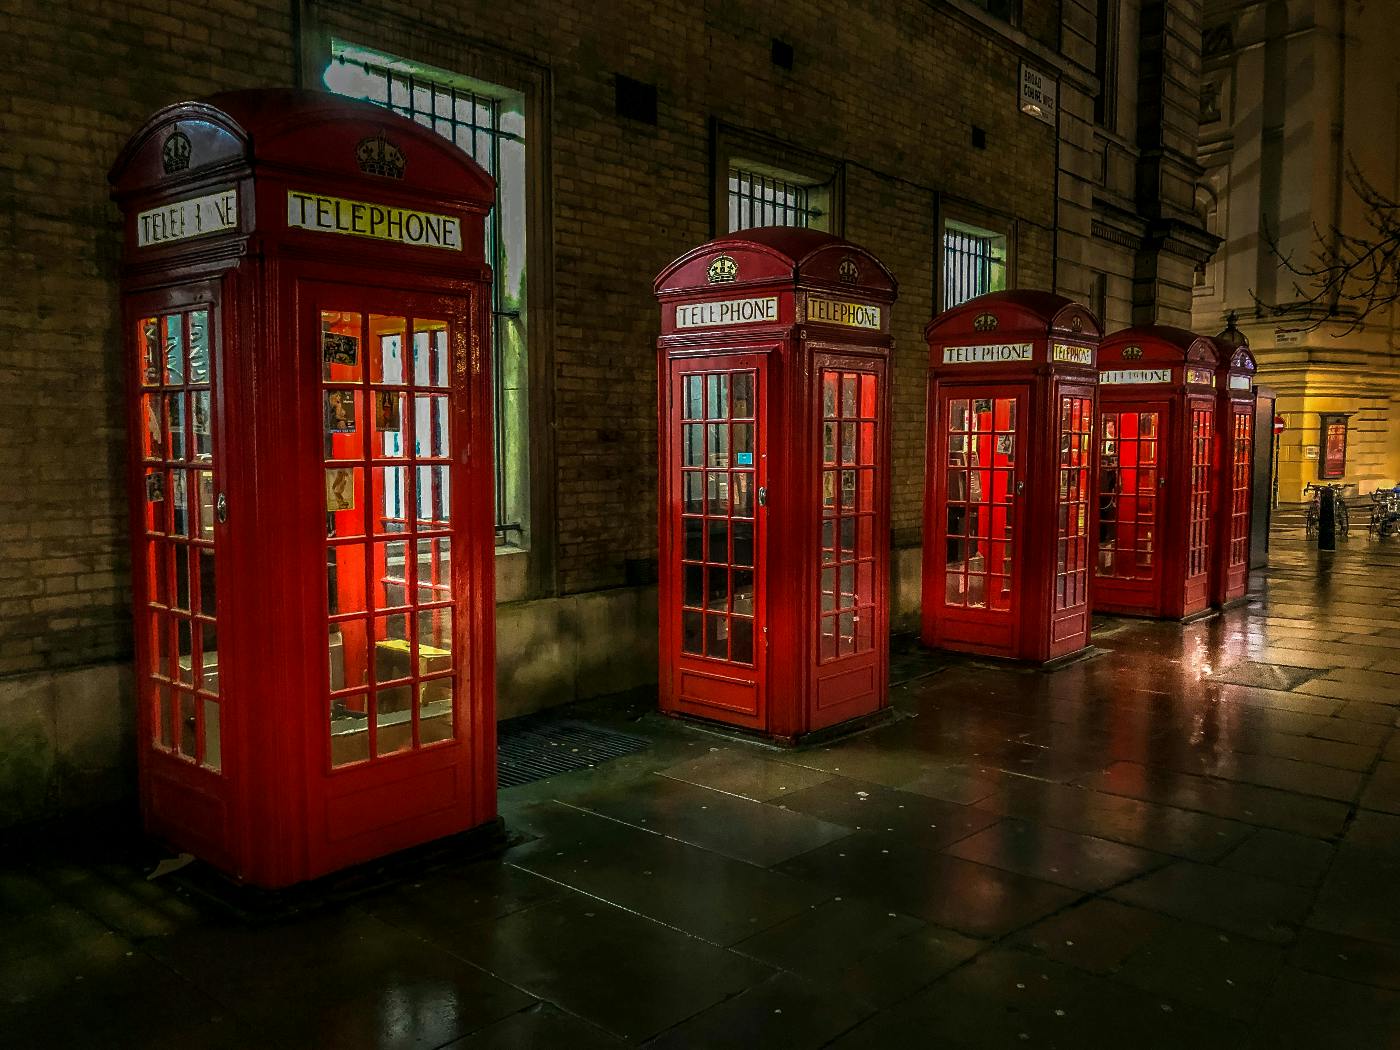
1343, 522
1310, 522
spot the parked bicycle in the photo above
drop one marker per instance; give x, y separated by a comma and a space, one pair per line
1385, 512
1314, 512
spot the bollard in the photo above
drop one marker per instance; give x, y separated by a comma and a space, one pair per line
1327, 520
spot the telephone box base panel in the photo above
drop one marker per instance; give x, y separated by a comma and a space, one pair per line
250, 901
816, 737
1054, 661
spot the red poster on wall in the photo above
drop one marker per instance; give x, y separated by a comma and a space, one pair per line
1334, 446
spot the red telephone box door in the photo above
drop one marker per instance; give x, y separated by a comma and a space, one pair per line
981, 431
718, 478
179, 558
1201, 434
1132, 481
395, 758
1239, 497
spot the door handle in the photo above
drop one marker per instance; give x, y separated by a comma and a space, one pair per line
763, 495
221, 508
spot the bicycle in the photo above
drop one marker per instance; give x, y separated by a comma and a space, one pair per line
1314, 513
1385, 513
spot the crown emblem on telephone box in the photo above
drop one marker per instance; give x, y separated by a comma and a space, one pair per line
722, 270
379, 156
175, 154
984, 322
848, 271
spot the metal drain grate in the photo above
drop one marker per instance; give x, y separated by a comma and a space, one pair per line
532, 749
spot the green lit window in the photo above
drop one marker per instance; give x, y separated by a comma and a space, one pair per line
488, 122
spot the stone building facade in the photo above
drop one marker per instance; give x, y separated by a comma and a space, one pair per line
937, 133
1292, 94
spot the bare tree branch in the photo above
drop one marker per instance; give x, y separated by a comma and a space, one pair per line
1344, 276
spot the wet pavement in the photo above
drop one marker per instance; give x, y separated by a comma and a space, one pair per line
1189, 840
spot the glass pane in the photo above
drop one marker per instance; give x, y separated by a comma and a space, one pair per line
182, 520
342, 418
691, 626
435, 570
717, 532
717, 636
717, 589
148, 339
435, 711
386, 358
203, 433
345, 578
849, 384
158, 572
743, 395
391, 574
349, 730
199, 347
175, 424
435, 639
174, 355
957, 415
743, 494
693, 399
204, 484
213, 753
743, 592
188, 728
741, 650
394, 720
430, 353
390, 508
743, 542
693, 445
184, 651
694, 538
430, 426
164, 714
344, 504
153, 435
392, 649
390, 424
717, 396
434, 504
694, 492
349, 654
693, 586
340, 347
209, 657
182, 577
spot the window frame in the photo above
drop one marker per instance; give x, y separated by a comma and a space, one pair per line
974, 218
1325, 421
528, 571
733, 147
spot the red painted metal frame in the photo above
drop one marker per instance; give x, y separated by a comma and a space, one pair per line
1034, 627
1234, 472
1182, 366
789, 691
277, 813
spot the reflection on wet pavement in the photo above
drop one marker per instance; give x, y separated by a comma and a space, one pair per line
1192, 840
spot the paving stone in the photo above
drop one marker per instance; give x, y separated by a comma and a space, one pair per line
1264, 675
1260, 908
1055, 855
741, 773
1281, 856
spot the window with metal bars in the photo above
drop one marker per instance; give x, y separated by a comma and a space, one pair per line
974, 263
759, 199
488, 123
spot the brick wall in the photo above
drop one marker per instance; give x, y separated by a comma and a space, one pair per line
84, 75
892, 89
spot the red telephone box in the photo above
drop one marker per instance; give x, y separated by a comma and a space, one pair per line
305, 307
774, 482
1234, 474
1156, 472
1011, 410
